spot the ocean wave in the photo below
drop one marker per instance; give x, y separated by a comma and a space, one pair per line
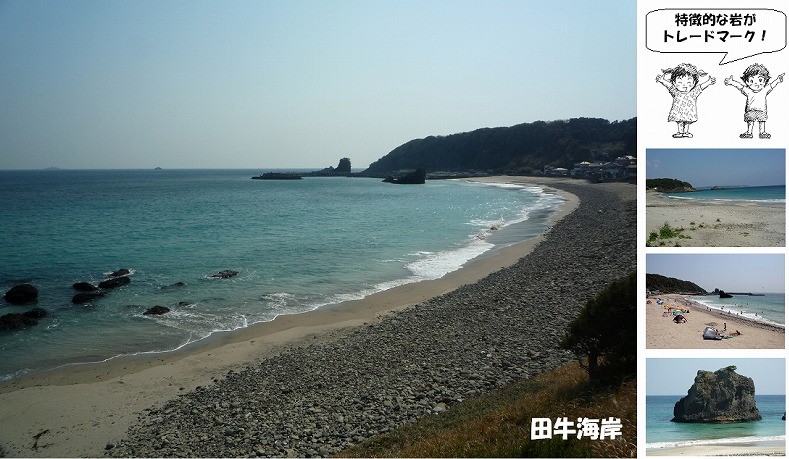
714, 441
745, 314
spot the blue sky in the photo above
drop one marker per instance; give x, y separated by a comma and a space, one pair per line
97, 84
756, 273
675, 376
709, 167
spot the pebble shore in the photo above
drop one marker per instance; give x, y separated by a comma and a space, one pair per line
319, 398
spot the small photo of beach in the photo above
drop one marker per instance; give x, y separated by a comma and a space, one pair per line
715, 407
716, 198
715, 301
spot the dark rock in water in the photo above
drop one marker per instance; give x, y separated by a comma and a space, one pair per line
21, 294
84, 287
184, 303
278, 176
720, 397
121, 272
224, 274
86, 297
157, 310
416, 177
115, 282
11, 321
16, 320
174, 286
36, 313
723, 294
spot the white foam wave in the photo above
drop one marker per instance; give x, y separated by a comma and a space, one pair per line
744, 314
715, 441
438, 264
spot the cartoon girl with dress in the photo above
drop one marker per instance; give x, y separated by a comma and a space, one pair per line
682, 83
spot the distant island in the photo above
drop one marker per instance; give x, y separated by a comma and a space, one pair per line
669, 185
278, 176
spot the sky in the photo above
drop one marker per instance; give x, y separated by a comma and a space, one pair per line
675, 376
297, 83
710, 167
755, 273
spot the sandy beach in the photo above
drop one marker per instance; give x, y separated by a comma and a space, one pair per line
774, 448
714, 224
663, 333
80, 409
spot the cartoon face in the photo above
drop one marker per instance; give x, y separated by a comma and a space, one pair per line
755, 83
684, 83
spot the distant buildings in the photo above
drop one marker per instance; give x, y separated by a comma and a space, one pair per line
623, 167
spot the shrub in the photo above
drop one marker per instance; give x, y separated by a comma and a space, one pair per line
603, 336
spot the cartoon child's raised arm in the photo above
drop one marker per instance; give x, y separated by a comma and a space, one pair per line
710, 81
732, 82
662, 79
778, 79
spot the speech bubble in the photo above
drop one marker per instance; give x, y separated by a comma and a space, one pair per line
737, 33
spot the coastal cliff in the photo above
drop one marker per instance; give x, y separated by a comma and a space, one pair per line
515, 150
718, 397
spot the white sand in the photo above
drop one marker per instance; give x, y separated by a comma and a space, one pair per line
663, 333
713, 224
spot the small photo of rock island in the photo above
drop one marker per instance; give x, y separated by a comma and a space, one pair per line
716, 198
715, 407
715, 301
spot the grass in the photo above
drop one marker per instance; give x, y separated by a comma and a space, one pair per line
666, 232
498, 424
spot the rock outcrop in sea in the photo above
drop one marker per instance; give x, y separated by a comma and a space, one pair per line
722, 396
21, 294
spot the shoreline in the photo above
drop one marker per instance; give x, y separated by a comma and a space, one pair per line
727, 448
82, 407
470, 271
716, 223
663, 333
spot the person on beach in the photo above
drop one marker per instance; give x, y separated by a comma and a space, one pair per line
756, 78
683, 85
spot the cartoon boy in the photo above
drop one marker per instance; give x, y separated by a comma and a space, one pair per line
756, 78
682, 83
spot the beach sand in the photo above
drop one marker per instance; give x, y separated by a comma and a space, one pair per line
713, 224
663, 333
775, 448
77, 410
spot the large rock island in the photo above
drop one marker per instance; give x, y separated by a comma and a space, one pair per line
718, 397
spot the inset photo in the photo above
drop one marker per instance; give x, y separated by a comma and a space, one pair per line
715, 301
716, 198
715, 407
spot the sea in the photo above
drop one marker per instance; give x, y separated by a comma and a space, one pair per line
297, 245
763, 195
662, 433
768, 308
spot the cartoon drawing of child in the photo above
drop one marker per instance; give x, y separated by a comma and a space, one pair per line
756, 78
682, 83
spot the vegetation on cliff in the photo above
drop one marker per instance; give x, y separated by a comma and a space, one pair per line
669, 185
672, 285
516, 149
603, 336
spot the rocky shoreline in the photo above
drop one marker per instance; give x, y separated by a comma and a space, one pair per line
316, 399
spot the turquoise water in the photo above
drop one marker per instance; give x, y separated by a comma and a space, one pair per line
768, 308
755, 194
297, 245
662, 433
